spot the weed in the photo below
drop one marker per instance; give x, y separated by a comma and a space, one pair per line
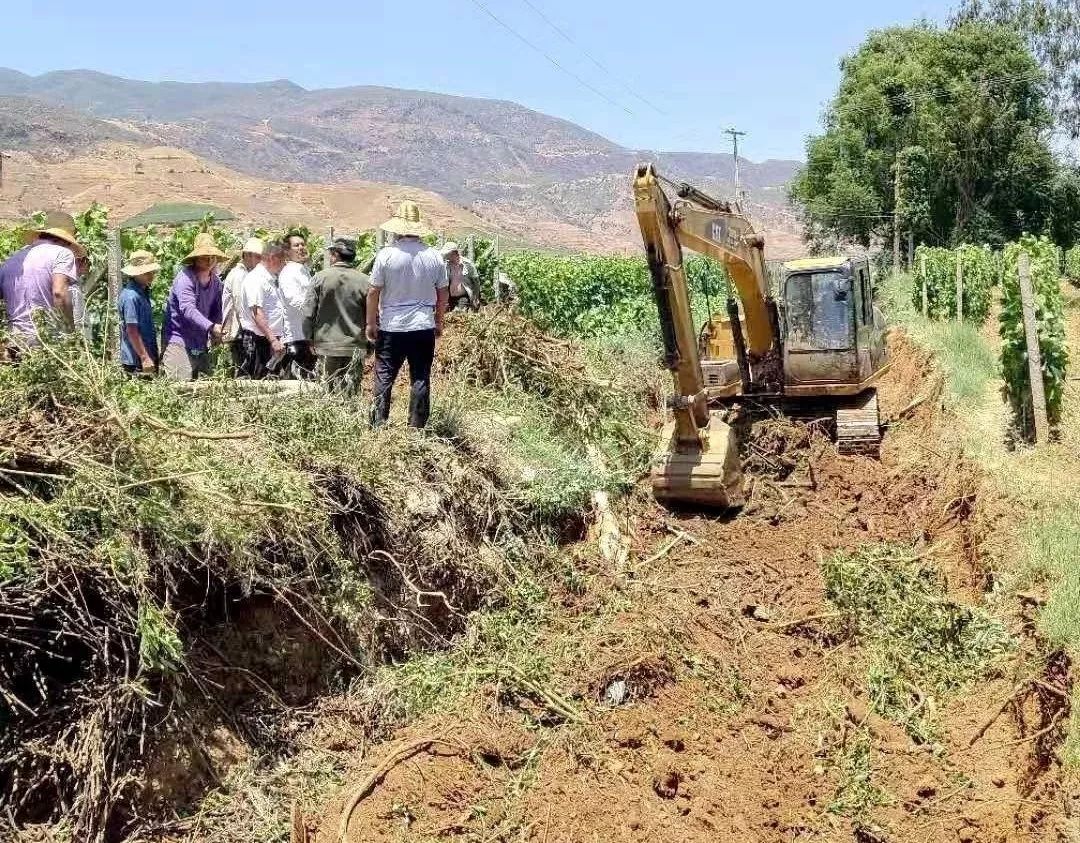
160, 648
856, 793
14, 551
919, 642
733, 692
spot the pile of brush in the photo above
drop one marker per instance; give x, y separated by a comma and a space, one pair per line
143, 528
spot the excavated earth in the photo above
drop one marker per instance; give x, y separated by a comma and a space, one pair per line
736, 696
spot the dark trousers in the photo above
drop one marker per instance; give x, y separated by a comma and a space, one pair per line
392, 349
251, 353
236, 356
300, 361
462, 302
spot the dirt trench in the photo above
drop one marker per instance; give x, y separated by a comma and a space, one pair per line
740, 714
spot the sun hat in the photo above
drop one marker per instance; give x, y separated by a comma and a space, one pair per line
140, 262
448, 247
407, 221
254, 246
61, 226
204, 248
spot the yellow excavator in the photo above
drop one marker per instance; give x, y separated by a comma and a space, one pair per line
816, 347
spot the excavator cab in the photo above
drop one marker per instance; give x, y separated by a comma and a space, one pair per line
832, 333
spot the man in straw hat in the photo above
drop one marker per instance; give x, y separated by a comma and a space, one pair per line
39, 276
335, 317
193, 312
405, 309
232, 297
138, 339
463, 279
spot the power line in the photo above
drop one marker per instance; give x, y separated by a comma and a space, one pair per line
532, 46
591, 58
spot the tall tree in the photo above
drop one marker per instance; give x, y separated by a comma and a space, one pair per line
1052, 30
963, 113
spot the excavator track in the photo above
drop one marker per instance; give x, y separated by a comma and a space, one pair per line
858, 425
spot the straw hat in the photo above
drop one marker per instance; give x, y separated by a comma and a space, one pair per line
407, 221
141, 263
450, 246
254, 246
204, 248
61, 226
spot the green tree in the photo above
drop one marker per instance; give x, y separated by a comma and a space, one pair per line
963, 111
1052, 31
913, 199
1064, 225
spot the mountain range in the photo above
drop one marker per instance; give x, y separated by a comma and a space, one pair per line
537, 177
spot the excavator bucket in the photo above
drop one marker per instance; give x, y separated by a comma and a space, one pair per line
709, 476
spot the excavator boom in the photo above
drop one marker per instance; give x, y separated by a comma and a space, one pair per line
698, 460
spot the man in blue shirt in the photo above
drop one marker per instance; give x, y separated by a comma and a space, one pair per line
138, 339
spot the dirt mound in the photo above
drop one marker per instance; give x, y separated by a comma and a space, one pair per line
763, 726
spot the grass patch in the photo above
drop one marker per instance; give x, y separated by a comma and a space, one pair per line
1053, 545
969, 363
967, 360
920, 644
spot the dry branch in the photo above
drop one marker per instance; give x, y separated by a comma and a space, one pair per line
398, 756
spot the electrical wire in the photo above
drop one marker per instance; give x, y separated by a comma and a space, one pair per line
591, 58
552, 61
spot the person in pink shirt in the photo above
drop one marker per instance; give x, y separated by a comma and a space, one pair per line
39, 277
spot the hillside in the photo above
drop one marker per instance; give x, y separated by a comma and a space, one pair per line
506, 161
51, 131
129, 178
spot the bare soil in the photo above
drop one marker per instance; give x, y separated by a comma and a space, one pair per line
743, 716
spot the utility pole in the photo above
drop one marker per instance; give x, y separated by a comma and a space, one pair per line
735, 135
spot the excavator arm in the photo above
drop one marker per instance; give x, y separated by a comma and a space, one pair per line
699, 461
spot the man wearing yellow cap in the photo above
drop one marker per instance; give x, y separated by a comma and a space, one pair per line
405, 308
39, 276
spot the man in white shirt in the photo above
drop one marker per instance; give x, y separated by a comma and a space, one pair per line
406, 303
262, 316
232, 297
295, 282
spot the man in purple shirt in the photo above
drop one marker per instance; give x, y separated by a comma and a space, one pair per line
39, 276
193, 313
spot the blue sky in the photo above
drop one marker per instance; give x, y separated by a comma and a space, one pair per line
766, 67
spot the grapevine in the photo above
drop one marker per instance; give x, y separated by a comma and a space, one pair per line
935, 270
1072, 264
601, 295
1045, 260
